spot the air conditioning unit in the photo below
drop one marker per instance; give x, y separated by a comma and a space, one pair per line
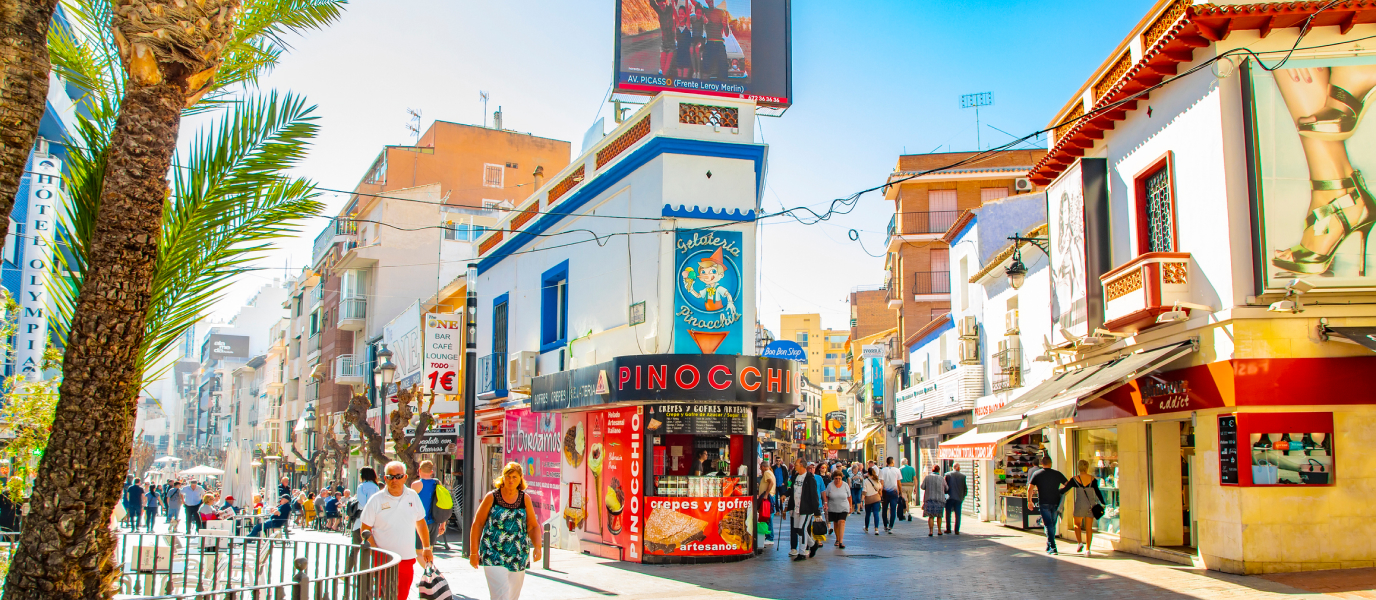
1023, 184
969, 327
1010, 321
520, 369
969, 352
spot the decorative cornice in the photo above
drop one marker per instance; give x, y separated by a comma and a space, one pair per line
699, 213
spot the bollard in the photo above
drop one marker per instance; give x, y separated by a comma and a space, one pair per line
300, 589
544, 544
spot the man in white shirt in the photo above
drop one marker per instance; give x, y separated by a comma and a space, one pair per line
392, 519
191, 499
893, 488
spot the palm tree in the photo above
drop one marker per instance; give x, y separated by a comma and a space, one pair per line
23, 88
148, 256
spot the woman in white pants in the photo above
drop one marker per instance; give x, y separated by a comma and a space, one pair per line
506, 534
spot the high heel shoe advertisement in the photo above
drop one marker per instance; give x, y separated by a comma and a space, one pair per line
1313, 152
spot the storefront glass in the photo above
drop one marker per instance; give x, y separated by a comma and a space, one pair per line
1100, 448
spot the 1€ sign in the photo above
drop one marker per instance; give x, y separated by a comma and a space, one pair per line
443, 333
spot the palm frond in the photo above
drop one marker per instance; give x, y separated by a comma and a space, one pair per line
272, 19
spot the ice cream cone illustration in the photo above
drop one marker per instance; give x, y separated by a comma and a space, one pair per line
595, 465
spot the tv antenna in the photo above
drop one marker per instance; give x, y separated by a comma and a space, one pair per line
414, 124
975, 101
483, 96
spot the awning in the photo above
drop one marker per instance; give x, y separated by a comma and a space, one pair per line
1104, 380
974, 444
859, 438
1365, 336
1009, 417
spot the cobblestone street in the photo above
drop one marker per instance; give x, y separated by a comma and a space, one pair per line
986, 561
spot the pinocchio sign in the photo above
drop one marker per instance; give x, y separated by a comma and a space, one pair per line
661, 378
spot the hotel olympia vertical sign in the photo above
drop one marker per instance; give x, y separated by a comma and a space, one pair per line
37, 256
707, 310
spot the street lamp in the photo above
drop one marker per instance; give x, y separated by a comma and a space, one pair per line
384, 371
310, 439
1016, 271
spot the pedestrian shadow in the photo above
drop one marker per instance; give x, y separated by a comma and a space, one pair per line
595, 590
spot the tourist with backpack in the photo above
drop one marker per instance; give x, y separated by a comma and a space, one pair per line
425, 487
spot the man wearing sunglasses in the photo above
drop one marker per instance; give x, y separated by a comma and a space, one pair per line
392, 519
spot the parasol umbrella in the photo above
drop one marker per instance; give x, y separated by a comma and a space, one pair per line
167, 459
239, 479
202, 471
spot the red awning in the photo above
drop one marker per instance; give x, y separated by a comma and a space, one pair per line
973, 444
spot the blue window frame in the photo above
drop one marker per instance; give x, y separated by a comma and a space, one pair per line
554, 307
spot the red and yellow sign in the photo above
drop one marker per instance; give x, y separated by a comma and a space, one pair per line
699, 526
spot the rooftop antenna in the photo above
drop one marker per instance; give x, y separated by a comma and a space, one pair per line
483, 96
975, 101
414, 124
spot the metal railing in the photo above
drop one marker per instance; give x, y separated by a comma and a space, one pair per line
353, 308
916, 223
313, 344
492, 373
350, 366
931, 282
1009, 375
211, 565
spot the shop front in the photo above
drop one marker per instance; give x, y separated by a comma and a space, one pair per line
658, 452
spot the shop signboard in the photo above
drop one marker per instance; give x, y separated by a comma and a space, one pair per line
443, 343
869, 351
699, 526
437, 443
708, 298
1078, 231
619, 485
403, 338
836, 426
490, 428
535, 441
672, 378
221, 346
1287, 172
744, 51
31, 330
699, 419
785, 349
985, 405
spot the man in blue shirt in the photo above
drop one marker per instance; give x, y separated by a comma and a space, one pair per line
133, 503
277, 520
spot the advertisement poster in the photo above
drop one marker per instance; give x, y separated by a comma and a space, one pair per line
1077, 228
403, 338
707, 304
731, 48
1310, 157
699, 526
836, 426
534, 441
595, 464
572, 468
443, 343
706, 419
619, 483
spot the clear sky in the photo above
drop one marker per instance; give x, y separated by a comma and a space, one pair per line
871, 80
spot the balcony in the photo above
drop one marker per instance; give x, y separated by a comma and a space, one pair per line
313, 344
1139, 291
892, 295
350, 370
492, 376
1009, 361
1006, 380
919, 227
931, 286
353, 313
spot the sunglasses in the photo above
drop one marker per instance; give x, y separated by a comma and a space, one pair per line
398, 476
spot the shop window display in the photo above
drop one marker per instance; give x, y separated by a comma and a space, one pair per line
1100, 448
1291, 458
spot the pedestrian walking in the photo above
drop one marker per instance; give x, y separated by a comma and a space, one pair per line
173, 505
873, 491
391, 521
803, 506
766, 501
857, 485
1047, 483
933, 499
367, 486
506, 534
150, 506
956, 490
1088, 498
425, 488
133, 504
192, 497
909, 480
837, 505
893, 488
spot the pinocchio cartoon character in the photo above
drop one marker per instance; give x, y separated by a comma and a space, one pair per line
710, 272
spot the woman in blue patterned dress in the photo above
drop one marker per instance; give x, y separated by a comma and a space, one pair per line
506, 534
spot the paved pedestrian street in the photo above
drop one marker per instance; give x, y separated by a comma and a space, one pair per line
986, 561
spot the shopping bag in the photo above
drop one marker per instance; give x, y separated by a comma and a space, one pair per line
433, 586
762, 528
819, 528
903, 509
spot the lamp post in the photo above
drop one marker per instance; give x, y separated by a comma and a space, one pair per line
1016, 271
470, 405
383, 374
310, 442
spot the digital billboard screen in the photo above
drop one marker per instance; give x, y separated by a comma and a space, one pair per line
727, 48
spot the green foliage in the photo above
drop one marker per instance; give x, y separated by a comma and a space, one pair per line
229, 194
28, 408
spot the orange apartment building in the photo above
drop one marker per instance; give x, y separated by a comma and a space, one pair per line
918, 281
476, 167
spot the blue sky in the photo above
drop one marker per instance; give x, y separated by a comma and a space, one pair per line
871, 80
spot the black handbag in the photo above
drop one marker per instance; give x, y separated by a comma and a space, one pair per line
819, 527
1097, 510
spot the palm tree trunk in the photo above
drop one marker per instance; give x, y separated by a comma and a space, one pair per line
67, 547
23, 88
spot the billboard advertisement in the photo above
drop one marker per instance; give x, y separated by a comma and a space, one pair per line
443, 343
535, 441
707, 304
724, 48
221, 346
403, 338
699, 526
1309, 152
1077, 228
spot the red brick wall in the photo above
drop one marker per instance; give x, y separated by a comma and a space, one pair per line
871, 313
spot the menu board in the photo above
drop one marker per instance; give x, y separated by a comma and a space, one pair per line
1227, 450
704, 419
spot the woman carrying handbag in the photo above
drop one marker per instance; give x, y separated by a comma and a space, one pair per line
1089, 505
873, 491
